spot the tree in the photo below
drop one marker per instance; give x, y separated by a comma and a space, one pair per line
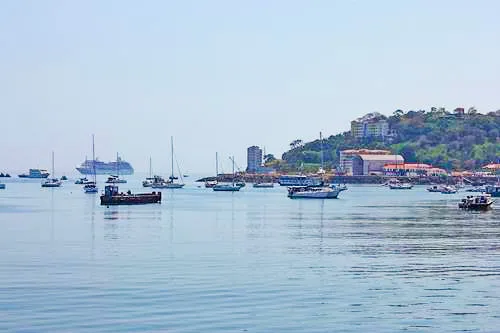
472, 111
268, 158
398, 113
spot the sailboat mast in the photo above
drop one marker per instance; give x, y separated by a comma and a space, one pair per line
216, 165
53, 173
172, 153
150, 168
117, 166
93, 159
232, 159
321, 147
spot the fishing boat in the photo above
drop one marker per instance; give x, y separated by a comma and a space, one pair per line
212, 183
92, 186
478, 202
449, 189
171, 182
312, 192
227, 187
493, 190
52, 182
35, 173
113, 197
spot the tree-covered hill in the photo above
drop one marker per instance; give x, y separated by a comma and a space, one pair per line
448, 140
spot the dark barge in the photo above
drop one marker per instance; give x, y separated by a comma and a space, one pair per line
112, 197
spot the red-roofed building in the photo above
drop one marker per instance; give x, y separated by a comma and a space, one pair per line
492, 168
412, 170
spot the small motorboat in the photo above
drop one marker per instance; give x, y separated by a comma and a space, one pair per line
64, 178
115, 180
210, 183
226, 188
240, 183
90, 188
52, 182
263, 185
112, 197
400, 186
435, 188
339, 187
493, 190
312, 192
449, 189
2, 186
6, 175
478, 202
83, 181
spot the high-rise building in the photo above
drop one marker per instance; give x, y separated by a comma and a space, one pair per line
254, 159
371, 125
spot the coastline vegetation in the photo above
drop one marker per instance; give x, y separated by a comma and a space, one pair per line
449, 140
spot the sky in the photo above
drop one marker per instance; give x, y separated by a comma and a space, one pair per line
220, 76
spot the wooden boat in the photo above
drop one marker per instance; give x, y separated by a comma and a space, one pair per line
112, 197
478, 202
312, 192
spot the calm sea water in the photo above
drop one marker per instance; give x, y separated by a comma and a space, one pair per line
374, 260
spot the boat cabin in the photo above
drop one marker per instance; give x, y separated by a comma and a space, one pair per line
110, 190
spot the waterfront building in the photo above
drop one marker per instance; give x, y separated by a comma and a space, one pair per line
371, 125
346, 157
254, 159
364, 165
412, 170
492, 168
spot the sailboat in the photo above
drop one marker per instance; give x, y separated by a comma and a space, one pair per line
212, 183
149, 180
52, 182
91, 187
170, 183
228, 187
115, 179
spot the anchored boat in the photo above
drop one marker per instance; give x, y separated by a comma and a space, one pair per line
112, 197
312, 192
478, 202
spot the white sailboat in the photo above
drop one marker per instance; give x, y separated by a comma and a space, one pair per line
91, 187
52, 182
228, 187
149, 180
115, 179
212, 183
170, 183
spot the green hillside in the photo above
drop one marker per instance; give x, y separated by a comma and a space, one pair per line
443, 139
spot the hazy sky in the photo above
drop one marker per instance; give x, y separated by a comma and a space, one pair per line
224, 75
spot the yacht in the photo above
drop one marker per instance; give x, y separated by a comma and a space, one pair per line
312, 192
35, 173
52, 182
299, 180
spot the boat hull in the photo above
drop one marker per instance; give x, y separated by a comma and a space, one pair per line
313, 193
131, 199
168, 186
263, 185
2, 186
226, 188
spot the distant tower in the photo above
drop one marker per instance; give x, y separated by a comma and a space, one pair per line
254, 158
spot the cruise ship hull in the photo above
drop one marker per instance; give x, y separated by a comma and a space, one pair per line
106, 169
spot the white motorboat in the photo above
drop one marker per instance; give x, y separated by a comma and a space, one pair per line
312, 192
477, 202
